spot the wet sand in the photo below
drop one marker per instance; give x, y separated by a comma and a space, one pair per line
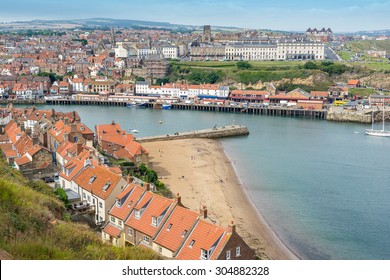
200, 171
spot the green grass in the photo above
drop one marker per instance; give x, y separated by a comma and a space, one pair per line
362, 92
362, 45
33, 228
345, 55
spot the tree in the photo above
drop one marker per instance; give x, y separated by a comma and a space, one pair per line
243, 65
310, 65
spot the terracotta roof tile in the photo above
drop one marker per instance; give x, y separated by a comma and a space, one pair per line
128, 199
176, 228
102, 178
204, 236
112, 230
152, 205
22, 160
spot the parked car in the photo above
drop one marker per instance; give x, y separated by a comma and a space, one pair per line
47, 179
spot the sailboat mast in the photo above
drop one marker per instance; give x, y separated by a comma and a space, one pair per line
383, 120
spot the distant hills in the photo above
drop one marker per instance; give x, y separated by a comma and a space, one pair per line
138, 24
100, 23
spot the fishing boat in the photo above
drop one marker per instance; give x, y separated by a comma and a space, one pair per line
378, 132
167, 106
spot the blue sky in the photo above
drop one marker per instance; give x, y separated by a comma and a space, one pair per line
288, 15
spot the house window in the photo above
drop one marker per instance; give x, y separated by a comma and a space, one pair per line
130, 231
228, 255
100, 205
154, 221
160, 249
238, 251
204, 254
113, 219
146, 239
101, 218
119, 223
84, 196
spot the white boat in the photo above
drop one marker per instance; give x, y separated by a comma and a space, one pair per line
378, 132
133, 131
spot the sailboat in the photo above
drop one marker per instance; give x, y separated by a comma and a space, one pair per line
378, 132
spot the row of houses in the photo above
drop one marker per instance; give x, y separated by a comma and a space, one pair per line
260, 51
126, 208
141, 218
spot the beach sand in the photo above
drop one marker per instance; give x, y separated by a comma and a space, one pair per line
202, 174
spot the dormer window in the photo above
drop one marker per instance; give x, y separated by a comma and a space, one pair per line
106, 186
154, 221
137, 214
205, 255
92, 179
118, 203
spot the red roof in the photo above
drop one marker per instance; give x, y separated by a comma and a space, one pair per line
112, 230
128, 198
319, 93
176, 228
102, 176
151, 205
22, 160
204, 236
353, 82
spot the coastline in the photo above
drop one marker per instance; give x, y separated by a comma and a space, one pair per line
202, 173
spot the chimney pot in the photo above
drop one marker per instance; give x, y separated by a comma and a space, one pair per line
203, 212
232, 227
178, 199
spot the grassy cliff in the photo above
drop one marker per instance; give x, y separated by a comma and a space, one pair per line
34, 226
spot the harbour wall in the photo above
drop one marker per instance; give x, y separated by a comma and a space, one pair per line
216, 132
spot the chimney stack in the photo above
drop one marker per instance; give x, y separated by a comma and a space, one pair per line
129, 179
73, 127
232, 227
79, 147
147, 186
66, 121
178, 199
203, 212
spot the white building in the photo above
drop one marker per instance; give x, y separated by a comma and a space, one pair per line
170, 52
275, 51
142, 87
143, 52
121, 51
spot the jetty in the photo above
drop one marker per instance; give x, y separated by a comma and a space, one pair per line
211, 133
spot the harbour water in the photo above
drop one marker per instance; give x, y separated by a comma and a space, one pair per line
323, 187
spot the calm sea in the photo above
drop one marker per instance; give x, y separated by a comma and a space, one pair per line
323, 187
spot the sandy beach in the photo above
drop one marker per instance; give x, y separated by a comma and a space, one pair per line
202, 174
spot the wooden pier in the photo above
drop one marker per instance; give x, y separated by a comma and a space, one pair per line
266, 111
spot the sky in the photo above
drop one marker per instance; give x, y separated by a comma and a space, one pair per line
289, 15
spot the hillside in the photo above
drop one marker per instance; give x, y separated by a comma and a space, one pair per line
34, 226
364, 45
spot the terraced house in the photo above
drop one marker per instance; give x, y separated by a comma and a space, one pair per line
141, 218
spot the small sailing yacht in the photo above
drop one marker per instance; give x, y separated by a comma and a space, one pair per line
378, 132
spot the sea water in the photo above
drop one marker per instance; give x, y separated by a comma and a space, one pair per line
323, 187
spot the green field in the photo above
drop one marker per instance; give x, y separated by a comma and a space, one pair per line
361, 46
362, 92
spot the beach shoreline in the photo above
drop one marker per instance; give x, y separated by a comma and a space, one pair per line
203, 174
